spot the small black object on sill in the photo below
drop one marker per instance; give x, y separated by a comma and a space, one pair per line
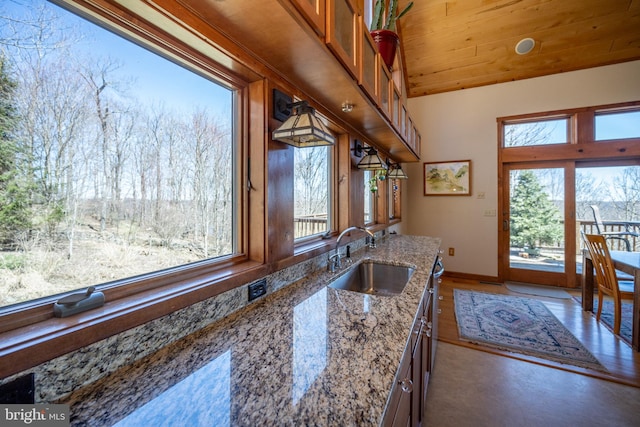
78, 302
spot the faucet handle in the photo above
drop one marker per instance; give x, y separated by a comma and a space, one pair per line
347, 255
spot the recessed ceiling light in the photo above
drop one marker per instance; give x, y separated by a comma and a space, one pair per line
525, 46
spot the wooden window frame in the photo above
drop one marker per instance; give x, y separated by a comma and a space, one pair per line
30, 334
582, 147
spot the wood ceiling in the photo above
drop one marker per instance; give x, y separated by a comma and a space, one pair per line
451, 45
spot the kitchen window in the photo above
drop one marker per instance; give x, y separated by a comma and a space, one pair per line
312, 191
124, 166
370, 182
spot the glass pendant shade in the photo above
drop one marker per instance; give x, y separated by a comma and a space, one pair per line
372, 161
304, 129
396, 172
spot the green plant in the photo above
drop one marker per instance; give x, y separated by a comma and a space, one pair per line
12, 262
379, 175
378, 23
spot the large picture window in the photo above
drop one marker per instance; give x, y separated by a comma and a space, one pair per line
115, 161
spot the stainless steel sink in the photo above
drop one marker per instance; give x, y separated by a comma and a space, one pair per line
371, 277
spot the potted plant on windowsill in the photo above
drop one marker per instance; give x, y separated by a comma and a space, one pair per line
383, 31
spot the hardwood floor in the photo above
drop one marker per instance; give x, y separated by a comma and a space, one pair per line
616, 355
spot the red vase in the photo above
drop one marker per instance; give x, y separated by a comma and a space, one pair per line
387, 42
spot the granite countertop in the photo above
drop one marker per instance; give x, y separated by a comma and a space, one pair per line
305, 355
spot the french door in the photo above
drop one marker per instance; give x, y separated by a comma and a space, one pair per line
553, 167
546, 206
538, 239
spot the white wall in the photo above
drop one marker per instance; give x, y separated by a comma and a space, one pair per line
462, 125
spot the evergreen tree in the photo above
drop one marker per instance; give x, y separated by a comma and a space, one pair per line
535, 220
14, 206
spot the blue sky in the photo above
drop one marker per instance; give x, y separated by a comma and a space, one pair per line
156, 79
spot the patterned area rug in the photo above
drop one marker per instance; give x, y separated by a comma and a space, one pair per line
520, 325
607, 316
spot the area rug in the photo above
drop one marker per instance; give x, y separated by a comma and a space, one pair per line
607, 316
541, 291
520, 325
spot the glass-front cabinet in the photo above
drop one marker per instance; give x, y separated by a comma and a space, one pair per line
342, 33
385, 89
397, 102
344, 26
314, 12
369, 63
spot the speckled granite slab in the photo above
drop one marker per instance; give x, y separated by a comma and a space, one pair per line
306, 355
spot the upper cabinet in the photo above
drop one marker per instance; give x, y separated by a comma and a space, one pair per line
318, 50
342, 33
368, 67
314, 12
386, 88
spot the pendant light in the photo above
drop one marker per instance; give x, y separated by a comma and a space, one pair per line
302, 128
396, 172
371, 161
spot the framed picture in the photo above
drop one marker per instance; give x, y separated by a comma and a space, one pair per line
447, 178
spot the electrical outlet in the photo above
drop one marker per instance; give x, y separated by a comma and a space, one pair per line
257, 289
21, 390
452, 251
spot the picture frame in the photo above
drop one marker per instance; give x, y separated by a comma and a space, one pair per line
450, 178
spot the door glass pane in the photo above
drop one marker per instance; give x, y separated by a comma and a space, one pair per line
616, 192
542, 132
537, 219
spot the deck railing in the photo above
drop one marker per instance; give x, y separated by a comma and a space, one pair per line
589, 227
309, 225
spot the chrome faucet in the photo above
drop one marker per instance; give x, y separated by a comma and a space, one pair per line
335, 260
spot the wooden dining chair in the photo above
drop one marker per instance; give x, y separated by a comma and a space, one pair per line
606, 280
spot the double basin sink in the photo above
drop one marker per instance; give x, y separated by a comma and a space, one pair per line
374, 278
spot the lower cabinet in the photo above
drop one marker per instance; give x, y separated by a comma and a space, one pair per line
406, 406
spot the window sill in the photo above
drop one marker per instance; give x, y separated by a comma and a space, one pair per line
30, 345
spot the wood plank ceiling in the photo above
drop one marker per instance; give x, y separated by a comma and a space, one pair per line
451, 45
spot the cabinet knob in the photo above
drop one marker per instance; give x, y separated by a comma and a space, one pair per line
440, 298
428, 333
406, 385
439, 311
431, 290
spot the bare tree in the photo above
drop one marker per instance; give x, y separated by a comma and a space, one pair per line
310, 180
110, 137
627, 190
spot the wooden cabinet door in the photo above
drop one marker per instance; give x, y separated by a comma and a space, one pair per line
386, 88
368, 66
343, 33
417, 370
314, 12
398, 412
